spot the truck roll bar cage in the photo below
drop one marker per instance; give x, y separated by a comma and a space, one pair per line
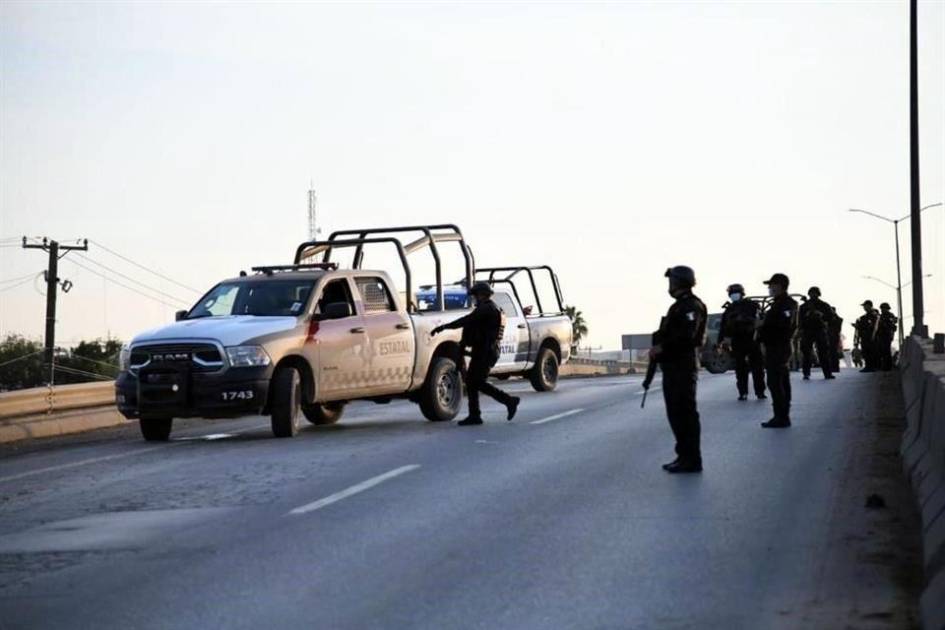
513, 271
358, 238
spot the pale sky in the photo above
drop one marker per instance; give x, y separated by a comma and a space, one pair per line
608, 140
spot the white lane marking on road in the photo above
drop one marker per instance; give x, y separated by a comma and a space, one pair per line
355, 489
652, 389
94, 460
557, 416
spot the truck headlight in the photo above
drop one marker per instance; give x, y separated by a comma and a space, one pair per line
247, 356
124, 356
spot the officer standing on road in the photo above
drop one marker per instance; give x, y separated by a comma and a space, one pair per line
681, 334
815, 317
835, 339
885, 332
737, 334
866, 327
482, 334
776, 331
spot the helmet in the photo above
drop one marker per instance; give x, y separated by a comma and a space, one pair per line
682, 275
481, 288
813, 292
884, 306
868, 303
735, 288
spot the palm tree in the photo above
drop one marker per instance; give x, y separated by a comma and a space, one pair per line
578, 326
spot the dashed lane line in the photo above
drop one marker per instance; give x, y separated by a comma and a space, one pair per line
353, 490
557, 416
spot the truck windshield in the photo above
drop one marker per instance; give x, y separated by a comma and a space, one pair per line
265, 298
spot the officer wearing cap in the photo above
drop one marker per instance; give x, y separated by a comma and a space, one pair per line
681, 334
737, 334
866, 327
815, 317
776, 332
483, 329
885, 331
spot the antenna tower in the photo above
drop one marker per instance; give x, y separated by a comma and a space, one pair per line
312, 203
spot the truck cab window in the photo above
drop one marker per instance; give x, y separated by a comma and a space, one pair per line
504, 302
336, 291
375, 295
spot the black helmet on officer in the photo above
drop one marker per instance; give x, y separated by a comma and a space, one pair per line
884, 306
814, 292
481, 291
681, 278
735, 292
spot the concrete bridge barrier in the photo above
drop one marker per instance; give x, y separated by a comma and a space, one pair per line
923, 454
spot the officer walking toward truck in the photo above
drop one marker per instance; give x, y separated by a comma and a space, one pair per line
777, 332
676, 344
482, 334
737, 334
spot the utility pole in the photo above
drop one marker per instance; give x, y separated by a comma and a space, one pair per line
52, 285
918, 307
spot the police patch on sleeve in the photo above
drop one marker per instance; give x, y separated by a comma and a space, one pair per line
787, 313
691, 316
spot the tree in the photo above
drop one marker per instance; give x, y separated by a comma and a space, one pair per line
22, 362
578, 326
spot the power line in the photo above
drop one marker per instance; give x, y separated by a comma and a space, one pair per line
130, 279
113, 281
18, 284
21, 357
69, 370
149, 270
29, 275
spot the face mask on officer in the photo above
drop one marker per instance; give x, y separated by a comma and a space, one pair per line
734, 297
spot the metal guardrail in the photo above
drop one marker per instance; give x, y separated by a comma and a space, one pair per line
48, 400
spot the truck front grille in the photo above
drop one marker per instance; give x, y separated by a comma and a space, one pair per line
202, 357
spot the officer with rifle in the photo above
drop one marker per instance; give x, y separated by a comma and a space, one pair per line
885, 332
482, 334
866, 327
737, 335
816, 317
676, 344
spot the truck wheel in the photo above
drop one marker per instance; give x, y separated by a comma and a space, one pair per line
442, 392
716, 362
544, 376
324, 413
156, 429
286, 405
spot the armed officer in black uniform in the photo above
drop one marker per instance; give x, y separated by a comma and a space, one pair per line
885, 332
866, 327
737, 334
482, 334
777, 331
815, 318
835, 339
681, 334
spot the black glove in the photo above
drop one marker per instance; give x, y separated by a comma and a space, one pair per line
437, 331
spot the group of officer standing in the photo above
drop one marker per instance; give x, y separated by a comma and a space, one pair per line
761, 342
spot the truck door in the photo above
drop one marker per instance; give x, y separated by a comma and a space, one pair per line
513, 351
338, 344
389, 338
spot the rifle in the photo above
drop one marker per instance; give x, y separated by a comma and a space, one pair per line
651, 367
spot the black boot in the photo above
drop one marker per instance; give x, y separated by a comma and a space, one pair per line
469, 422
513, 406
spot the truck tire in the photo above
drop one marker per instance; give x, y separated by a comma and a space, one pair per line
716, 361
156, 429
544, 375
321, 414
286, 407
442, 392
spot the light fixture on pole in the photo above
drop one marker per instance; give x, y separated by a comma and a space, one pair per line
899, 285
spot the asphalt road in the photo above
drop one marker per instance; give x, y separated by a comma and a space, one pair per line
562, 518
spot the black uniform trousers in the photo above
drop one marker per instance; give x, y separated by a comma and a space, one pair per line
883, 344
833, 340
477, 375
679, 392
747, 355
818, 338
870, 355
777, 360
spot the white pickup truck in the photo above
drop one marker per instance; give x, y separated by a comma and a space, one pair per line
298, 341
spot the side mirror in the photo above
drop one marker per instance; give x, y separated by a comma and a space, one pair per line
179, 315
336, 310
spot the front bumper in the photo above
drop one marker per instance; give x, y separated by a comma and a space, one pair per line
182, 393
